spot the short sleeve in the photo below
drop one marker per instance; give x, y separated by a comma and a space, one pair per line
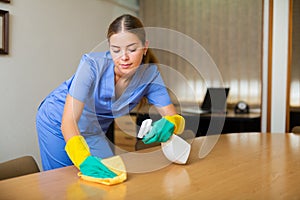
84, 79
157, 93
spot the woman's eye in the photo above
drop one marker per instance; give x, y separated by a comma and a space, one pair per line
132, 50
116, 50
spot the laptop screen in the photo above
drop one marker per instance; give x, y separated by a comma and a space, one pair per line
215, 100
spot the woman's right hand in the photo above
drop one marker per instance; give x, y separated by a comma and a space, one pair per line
79, 152
92, 168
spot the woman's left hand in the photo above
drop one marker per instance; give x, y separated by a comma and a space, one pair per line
163, 129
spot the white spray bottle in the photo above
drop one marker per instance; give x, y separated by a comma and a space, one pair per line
176, 149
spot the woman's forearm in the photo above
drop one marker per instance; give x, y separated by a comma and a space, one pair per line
168, 110
72, 112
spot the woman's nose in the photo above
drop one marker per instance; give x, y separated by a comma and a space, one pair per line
124, 55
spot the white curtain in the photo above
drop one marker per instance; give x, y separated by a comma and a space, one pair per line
229, 30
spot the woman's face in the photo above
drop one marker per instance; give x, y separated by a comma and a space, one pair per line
127, 52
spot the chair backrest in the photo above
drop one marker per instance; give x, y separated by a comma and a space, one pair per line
18, 167
296, 129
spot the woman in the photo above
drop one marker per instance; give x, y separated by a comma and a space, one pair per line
73, 119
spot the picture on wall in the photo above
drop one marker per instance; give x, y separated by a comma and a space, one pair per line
4, 31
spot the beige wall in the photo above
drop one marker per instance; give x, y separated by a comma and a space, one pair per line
47, 39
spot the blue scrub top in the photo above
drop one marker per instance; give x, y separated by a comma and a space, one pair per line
93, 83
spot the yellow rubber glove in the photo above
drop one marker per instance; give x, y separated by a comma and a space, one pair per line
77, 150
178, 122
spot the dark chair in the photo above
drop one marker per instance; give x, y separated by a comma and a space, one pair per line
18, 167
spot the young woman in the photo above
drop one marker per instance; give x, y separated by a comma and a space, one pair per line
73, 119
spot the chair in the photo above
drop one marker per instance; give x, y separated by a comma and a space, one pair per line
296, 129
18, 167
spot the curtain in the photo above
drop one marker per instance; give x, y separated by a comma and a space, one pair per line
295, 69
230, 31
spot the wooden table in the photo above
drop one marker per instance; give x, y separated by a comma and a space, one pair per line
240, 166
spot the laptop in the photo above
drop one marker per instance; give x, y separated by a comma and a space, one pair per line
215, 101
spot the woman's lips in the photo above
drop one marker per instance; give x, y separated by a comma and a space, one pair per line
125, 66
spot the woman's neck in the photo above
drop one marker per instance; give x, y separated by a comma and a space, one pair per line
121, 83
123, 77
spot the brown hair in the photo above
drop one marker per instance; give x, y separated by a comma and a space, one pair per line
133, 25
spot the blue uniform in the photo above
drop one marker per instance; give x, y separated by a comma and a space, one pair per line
93, 84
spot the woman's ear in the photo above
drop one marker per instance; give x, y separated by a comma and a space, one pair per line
146, 47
